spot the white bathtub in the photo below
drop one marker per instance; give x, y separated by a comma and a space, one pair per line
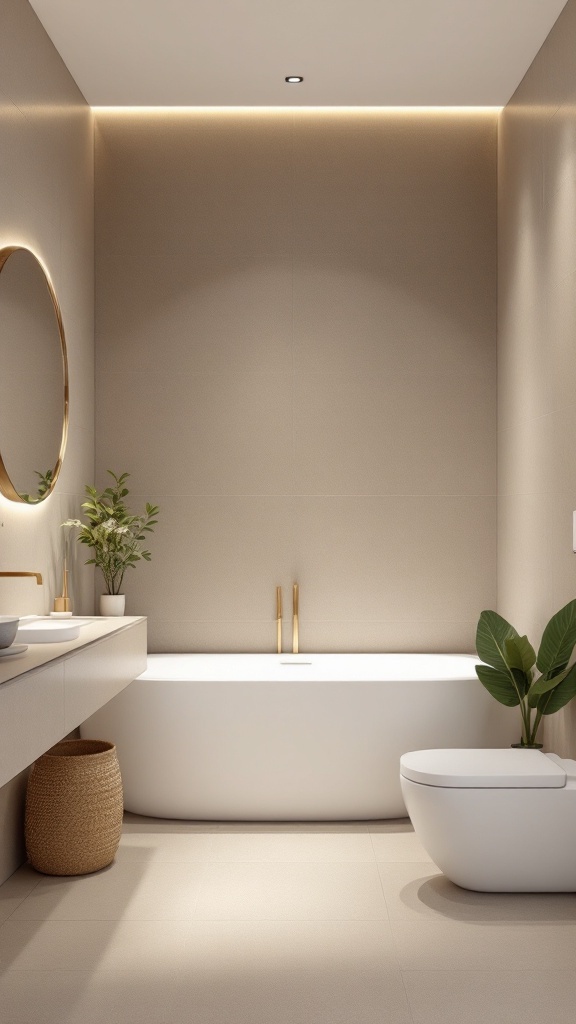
290, 737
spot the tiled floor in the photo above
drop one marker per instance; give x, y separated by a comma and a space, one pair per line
279, 924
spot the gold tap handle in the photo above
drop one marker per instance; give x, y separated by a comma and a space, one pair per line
37, 575
279, 618
295, 596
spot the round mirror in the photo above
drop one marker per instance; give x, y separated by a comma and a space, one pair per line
33, 379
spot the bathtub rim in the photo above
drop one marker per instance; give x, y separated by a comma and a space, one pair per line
310, 667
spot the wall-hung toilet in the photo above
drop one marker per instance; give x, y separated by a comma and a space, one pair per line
495, 820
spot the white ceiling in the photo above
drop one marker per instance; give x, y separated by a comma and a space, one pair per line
351, 52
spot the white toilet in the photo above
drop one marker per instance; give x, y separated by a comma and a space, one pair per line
495, 820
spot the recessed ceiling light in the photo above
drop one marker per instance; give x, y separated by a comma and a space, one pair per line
293, 79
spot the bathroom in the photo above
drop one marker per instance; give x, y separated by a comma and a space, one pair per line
337, 349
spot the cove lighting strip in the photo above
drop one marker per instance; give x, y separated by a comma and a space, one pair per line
292, 110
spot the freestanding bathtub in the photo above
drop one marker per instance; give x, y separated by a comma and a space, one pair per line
290, 737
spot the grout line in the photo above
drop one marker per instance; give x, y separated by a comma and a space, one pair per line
408, 1004
267, 621
429, 495
20, 902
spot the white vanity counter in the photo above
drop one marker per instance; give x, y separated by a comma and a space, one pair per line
50, 689
37, 655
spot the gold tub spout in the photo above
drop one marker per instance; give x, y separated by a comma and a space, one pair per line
279, 619
295, 596
38, 575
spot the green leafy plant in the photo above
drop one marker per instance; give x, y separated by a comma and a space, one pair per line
44, 485
509, 672
114, 534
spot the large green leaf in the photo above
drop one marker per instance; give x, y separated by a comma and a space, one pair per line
519, 653
499, 684
558, 641
491, 635
560, 695
544, 685
521, 679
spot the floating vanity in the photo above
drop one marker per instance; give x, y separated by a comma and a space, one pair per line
51, 688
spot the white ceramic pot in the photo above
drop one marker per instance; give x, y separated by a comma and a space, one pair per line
112, 604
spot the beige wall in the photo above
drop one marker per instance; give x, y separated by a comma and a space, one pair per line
296, 329
537, 345
46, 203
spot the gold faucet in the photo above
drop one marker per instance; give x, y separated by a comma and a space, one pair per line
38, 575
295, 619
279, 618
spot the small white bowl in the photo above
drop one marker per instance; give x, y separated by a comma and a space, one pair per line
8, 630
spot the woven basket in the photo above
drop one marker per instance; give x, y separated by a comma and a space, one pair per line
74, 808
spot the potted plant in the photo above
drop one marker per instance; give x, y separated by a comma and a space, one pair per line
115, 536
510, 664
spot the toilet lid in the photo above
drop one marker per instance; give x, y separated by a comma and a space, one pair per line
483, 769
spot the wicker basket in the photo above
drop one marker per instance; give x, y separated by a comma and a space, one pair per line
74, 808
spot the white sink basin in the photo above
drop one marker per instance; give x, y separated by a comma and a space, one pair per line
35, 629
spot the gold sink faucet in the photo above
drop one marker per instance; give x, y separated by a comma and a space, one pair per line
38, 575
295, 596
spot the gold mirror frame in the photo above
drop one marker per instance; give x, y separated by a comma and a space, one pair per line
6, 486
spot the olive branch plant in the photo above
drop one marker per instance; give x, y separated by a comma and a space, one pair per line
115, 535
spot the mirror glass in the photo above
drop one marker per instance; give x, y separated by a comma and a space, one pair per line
33, 379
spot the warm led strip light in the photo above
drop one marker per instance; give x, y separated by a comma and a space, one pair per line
292, 109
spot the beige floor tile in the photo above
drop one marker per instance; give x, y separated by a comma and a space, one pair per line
293, 973
7, 907
168, 846
223, 844
416, 891
398, 846
290, 892
130, 889
79, 997
292, 847
20, 884
468, 946
279, 923
291, 827
15, 889
93, 945
497, 997
409, 889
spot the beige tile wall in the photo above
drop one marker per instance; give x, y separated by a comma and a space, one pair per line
46, 203
296, 330
537, 346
